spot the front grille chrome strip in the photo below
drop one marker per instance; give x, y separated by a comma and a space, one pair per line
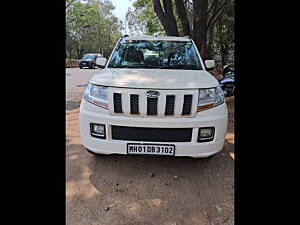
178, 105
126, 103
161, 105
170, 103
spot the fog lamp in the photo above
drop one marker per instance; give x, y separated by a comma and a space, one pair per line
98, 130
206, 134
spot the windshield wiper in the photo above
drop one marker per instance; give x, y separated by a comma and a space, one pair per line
188, 67
134, 66
123, 66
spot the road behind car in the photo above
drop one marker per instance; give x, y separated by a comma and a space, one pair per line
76, 81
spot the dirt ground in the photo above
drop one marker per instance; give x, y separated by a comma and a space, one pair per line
148, 190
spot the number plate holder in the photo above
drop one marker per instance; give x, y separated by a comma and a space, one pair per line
150, 149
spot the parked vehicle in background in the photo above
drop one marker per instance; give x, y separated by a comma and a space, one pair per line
89, 60
227, 83
154, 97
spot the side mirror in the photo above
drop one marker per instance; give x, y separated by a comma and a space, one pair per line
210, 64
100, 62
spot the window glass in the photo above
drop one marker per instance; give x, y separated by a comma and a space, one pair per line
155, 54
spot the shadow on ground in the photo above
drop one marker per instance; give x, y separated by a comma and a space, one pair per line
72, 104
151, 190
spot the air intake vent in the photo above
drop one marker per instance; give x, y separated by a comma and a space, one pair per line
152, 106
151, 134
170, 103
117, 103
187, 105
134, 104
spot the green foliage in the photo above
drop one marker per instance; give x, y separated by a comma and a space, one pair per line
91, 27
142, 19
224, 34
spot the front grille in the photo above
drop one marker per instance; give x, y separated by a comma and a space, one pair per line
151, 106
187, 105
170, 103
134, 104
117, 103
151, 134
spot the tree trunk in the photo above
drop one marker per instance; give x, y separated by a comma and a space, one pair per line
199, 25
210, 39
224, 52
166, 16
70, 53
223, 60
78, 50
181, 11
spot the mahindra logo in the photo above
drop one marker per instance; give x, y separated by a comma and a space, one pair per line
152, 94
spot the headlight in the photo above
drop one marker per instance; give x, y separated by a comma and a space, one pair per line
97, 95
209, 98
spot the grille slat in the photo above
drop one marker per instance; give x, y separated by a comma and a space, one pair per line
187, 105
151, 134
152, 106
170, 104
118, 103
134, 104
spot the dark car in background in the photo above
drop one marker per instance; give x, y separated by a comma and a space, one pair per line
89, 60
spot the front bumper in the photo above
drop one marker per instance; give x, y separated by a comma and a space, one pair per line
215, 117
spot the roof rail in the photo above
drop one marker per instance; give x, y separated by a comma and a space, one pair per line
187, 36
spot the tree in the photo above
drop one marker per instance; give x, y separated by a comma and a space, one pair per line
142, 19
182, 14
205, 15
224, 35
90, 27
166, 16
195, 18
135, 24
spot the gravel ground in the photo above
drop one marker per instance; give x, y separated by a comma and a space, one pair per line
147, 190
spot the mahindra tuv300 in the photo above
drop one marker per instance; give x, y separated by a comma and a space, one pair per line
154, 97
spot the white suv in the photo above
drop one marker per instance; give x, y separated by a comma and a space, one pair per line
154, 97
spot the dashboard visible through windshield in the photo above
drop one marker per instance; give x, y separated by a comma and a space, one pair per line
156, 55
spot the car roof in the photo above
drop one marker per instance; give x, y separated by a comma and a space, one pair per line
157, 38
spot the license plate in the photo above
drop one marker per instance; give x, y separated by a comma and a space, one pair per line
150, 149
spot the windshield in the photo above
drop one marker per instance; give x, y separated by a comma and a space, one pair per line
155, 54
89, 56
